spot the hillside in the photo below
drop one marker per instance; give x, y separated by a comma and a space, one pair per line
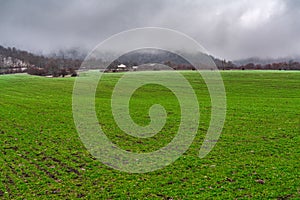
13, 60
66, 62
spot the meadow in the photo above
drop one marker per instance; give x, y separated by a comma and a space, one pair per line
256, 157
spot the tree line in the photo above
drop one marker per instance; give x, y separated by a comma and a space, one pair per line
13, 60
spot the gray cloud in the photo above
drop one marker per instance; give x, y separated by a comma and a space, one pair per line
229, 29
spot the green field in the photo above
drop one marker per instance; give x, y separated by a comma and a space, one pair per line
256, 157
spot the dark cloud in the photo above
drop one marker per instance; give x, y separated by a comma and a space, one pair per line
229, 29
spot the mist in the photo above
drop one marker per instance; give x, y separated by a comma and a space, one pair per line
226, 29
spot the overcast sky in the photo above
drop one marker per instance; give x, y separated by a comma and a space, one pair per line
230, 29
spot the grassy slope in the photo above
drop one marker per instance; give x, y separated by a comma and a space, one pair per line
41, 153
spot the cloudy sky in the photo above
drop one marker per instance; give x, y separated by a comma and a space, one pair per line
230, 29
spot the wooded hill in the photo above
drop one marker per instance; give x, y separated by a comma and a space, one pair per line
13, 60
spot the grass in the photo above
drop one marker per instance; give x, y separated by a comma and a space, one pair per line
256, 157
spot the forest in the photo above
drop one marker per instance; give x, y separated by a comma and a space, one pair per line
13, 60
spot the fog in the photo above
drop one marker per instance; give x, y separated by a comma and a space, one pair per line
227, 29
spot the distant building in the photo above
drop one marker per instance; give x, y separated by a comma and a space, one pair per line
122, 67
134, 68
